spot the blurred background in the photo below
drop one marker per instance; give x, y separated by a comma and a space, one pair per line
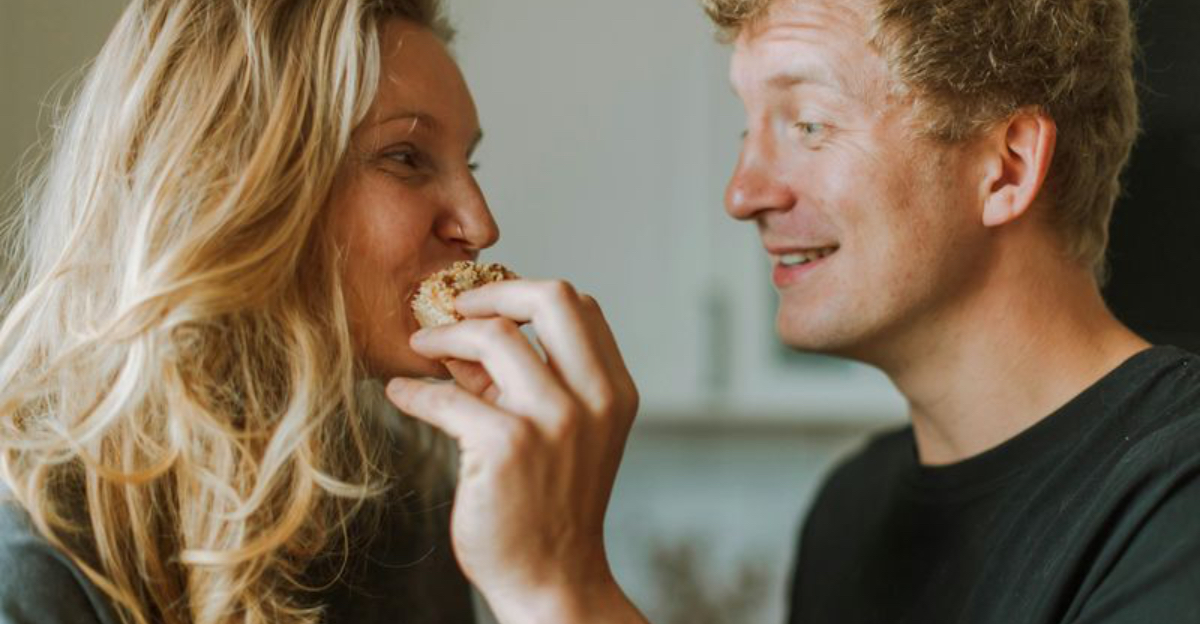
611, 131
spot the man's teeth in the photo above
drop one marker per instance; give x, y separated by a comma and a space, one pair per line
804, 257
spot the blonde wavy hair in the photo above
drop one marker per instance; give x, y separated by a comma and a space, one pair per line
973, 63
181, 408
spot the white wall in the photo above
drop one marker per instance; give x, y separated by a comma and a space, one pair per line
596, 161
7, 117
43, 45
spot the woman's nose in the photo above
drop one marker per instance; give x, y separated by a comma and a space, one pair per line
469, 221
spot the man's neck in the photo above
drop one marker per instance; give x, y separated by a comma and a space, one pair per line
1005, 359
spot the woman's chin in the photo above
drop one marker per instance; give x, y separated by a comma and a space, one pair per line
420, 367
407, 364
438, 370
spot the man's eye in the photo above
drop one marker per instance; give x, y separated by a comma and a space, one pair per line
810, 129
811, 133
473, 166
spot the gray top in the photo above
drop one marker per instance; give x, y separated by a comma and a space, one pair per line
38, 583
399, 579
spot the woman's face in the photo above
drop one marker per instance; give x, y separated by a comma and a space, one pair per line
406, 203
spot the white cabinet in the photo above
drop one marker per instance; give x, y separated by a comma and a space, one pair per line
610, 132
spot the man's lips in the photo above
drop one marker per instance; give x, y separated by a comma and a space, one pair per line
800, 256
793, 265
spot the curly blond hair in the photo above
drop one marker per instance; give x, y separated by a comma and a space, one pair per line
973, 63
181, 408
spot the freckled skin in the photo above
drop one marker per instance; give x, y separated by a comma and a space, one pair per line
902, 210
406, 203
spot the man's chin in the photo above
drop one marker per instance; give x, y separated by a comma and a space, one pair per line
810, 337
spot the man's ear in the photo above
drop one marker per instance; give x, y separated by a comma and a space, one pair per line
1018, 154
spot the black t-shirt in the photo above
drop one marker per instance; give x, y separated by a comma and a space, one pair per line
1091, 516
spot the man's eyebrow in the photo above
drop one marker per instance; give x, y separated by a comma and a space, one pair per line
795, 76
475, 142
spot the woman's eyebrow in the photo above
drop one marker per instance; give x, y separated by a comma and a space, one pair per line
418, 119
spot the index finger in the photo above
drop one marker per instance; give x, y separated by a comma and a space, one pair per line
580, 347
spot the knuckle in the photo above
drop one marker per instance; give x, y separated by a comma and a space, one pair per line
497, 327
632, 401
559, 291
519, 436
590, 305
566, 425
566, 407
606, 400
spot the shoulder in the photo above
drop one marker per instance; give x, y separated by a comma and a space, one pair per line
1159, 456
1158, 423
1147, 564
1156, 388
1142, 428
37, 582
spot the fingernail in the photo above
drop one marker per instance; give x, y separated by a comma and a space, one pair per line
420, 335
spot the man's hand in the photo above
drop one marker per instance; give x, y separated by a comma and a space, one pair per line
540, 441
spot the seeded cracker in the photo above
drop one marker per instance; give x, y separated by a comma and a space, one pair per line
434, 303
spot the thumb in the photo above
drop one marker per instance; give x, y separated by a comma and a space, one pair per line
449, 408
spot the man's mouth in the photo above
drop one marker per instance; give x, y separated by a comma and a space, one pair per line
804, 256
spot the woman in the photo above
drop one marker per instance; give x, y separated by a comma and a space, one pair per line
216, 266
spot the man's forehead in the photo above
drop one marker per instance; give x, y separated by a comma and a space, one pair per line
780, 70
842, 15
821, 42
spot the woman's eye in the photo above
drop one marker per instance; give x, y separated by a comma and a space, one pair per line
406, 157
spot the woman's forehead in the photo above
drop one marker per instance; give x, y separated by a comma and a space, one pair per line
421, 82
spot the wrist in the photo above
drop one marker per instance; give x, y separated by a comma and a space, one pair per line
598, 600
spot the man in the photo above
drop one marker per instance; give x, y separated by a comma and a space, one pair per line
933, 180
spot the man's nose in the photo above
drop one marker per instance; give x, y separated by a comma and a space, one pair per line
756, 186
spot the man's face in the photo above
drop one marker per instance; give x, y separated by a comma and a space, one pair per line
871, 230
